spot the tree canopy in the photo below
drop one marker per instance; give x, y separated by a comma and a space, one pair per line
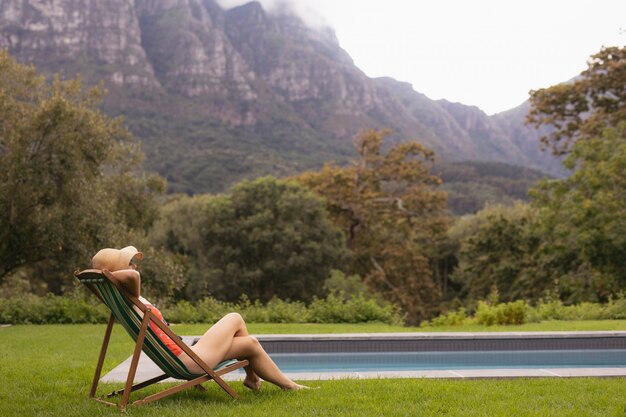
388, 205
584, 217
583, 107
266, 238
570, 240
498, 247
67, 183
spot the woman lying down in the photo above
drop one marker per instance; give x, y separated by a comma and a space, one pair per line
226, 339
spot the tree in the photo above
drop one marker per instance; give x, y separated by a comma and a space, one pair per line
583, 219
393, 216
65, 176
569, 240
582, 108
266, 238
498, 247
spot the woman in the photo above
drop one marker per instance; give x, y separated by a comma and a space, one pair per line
226, 339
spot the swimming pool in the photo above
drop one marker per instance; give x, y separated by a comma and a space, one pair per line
415, 361
408, 352
432, 355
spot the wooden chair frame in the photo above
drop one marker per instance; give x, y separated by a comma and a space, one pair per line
148, 316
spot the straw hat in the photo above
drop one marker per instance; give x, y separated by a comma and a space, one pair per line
115, 259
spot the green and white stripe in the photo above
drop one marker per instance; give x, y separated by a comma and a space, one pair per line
125, 314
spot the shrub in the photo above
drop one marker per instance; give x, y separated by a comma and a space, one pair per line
31, 309
502, 314
211, 310
336, 309
77, 308
252, 312
584, 311
207, 310
20, 310
183, 312
616, 308
451, 318
280, 311
550, 310
275, 311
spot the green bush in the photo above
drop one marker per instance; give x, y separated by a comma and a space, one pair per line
584, 311
616, 308
519, 312
183, 312
550, 310
336, 309
76, 308
211, 310
451, 318
20, 310
502, 314
207, 310
31, 309
280, 311
252, 312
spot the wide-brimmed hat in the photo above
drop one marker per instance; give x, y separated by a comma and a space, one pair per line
115, 259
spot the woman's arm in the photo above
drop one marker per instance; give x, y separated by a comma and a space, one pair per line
129, 279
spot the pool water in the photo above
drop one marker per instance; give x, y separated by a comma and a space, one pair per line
414, 361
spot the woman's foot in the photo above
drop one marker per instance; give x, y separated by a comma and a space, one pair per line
295, 387
254, 383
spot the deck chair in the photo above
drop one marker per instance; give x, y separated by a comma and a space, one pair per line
121, 303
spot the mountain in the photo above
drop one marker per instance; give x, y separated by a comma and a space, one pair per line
218, 95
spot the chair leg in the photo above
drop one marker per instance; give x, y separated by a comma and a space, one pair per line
103, 351
225, 385
133, 364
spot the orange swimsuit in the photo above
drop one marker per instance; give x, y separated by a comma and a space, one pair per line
173, 347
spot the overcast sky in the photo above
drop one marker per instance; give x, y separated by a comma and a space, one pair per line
487, 53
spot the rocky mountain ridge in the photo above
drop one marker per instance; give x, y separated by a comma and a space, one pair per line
220, 95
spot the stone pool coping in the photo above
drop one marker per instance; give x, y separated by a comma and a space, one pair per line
147, 369
441, 335
439, 342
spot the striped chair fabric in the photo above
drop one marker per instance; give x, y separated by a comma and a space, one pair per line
128, 317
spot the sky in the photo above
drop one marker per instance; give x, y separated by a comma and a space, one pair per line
486, 53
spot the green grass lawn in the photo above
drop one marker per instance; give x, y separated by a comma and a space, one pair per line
46, 371
552, 326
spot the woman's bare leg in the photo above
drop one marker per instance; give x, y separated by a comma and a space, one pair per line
220, 336
248, 347
229, 339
